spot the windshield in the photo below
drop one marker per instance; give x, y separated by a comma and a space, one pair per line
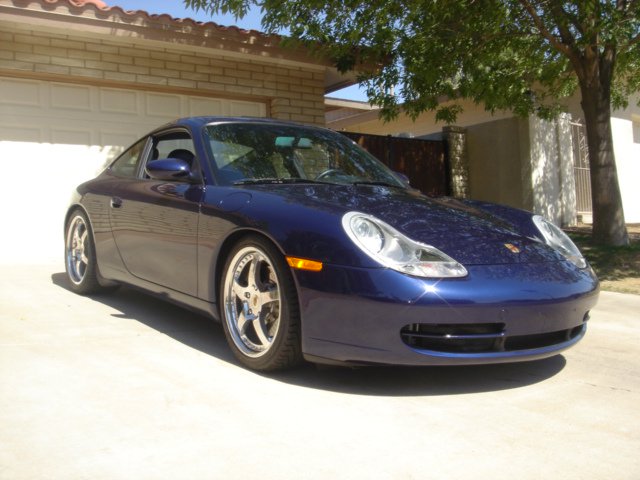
274, 153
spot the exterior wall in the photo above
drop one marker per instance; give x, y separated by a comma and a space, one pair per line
425, 124
626, 144
495, 170
293, 93
567, 177
524, 163
552, 178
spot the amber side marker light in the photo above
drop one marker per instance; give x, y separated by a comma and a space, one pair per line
304, 264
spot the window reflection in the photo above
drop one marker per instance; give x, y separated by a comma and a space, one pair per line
254, 152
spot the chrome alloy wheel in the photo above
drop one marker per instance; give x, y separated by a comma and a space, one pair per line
252, 301
77, 249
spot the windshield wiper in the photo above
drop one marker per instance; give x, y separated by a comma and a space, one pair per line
378, 183
272, 181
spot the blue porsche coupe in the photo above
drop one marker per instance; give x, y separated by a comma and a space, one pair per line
304, 246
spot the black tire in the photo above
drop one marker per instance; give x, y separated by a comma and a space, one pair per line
79, 255
259, 306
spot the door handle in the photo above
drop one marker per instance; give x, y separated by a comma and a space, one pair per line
116, 202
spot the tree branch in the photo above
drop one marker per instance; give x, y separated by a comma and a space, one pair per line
572, 18
630, 43
628, 9
560, 17
607, 63
553, 40
543, 29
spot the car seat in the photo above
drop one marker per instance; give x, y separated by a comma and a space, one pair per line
182, 154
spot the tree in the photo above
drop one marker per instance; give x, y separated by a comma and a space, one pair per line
523, 55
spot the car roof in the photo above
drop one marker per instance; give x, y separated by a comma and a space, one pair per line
195, 122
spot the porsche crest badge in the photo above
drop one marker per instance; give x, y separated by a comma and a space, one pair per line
512, 248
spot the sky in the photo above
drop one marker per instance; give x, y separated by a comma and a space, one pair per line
177, 9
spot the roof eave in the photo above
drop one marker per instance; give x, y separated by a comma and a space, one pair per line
140, 26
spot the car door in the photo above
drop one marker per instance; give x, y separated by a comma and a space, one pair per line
155, 223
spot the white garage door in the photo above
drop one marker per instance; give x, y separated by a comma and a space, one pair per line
55, 135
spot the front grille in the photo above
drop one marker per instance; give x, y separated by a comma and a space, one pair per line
459, 338
478, 338
526, 342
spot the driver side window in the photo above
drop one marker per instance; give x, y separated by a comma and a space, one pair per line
176, 145
172, 147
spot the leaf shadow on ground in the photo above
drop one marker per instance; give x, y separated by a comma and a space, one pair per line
200, 332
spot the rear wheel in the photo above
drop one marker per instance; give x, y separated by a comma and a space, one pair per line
260, 312
79, 253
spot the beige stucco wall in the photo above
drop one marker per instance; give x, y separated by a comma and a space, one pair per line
552, 183
425, 124
525, 163
627, 151
290, 92
495, 170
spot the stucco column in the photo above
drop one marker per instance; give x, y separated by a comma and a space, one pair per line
551, 177
456, 142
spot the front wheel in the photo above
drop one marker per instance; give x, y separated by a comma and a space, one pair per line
260, 313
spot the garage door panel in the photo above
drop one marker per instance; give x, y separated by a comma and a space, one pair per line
71, 137
67, 133
205, 106
70, 97
248, 109
121, 139
33, 111
118, 101
22, 92
21, 133
160, 105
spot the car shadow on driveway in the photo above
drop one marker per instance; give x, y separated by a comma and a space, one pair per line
200, 332
424, 381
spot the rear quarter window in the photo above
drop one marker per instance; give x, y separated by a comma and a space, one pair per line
126, 165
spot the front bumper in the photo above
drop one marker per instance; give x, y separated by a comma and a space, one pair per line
502, 313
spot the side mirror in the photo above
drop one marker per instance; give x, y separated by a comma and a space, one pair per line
403, 178
170, 169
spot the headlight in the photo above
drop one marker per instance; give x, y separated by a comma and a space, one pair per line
392, 249
557, 239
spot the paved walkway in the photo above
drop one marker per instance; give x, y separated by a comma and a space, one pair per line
125, 386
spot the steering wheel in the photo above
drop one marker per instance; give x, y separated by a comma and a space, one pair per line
328, 172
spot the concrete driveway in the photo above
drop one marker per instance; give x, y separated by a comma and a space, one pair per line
125, 386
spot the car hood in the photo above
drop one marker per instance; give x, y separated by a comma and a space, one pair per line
468, 234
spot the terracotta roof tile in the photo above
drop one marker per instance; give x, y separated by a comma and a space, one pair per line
142, 15
97, 3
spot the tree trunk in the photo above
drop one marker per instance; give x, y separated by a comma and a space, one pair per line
608, 216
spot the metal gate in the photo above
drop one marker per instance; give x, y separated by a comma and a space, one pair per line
581, 169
